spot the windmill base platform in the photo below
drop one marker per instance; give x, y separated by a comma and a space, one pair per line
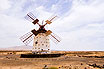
40, 55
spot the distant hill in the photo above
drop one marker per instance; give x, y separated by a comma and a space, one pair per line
18, 48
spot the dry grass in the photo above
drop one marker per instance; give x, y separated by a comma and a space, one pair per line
72, 60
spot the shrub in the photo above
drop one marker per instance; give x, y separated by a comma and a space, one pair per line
53, 68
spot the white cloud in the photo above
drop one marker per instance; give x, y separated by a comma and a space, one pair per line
42, 13
81, 28
76, 26
4, 4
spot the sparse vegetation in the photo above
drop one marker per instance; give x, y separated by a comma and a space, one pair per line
72, 59
52, 68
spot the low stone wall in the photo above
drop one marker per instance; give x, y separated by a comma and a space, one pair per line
14, 52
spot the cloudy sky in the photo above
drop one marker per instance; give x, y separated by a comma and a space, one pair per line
80, 23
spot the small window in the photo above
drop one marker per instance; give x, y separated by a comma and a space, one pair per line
42, 44
42, 49
36, 42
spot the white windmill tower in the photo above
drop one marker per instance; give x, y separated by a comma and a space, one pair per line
41, 37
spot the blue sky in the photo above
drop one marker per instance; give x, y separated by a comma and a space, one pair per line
80, 23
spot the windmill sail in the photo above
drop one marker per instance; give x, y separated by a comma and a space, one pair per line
30, 17
50, 20
27, 38
56, 39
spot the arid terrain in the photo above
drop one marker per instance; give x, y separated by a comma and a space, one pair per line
72, 60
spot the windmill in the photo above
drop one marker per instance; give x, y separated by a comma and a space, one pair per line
41, 37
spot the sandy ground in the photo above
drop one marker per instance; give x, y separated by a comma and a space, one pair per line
64, 62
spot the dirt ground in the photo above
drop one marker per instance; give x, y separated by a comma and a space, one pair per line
71, 60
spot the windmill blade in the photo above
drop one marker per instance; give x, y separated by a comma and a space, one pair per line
56, 39
50, 20
48, 32
27, 38
30, 17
